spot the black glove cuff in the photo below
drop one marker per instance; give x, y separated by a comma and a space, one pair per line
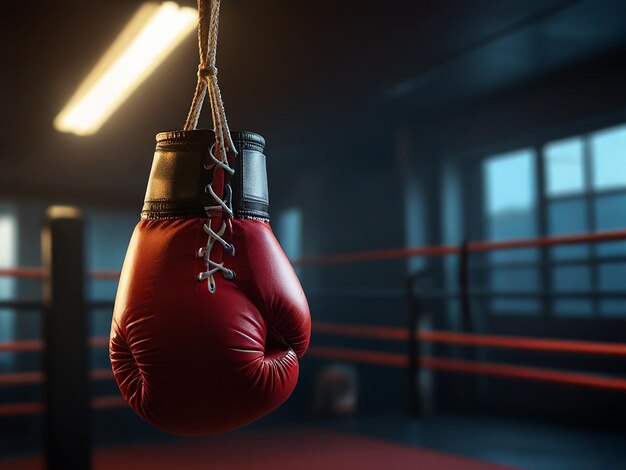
176, 187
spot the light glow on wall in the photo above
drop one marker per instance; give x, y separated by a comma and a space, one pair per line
150, 36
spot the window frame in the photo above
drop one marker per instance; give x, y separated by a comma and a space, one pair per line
476, 208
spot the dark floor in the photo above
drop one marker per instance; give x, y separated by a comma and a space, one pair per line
516, 443
441, 441
296, 447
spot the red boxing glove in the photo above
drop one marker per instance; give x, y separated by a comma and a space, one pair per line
191, 361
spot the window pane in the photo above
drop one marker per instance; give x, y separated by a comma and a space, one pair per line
608, 151
515, 306
289, 232
106, 239
609, 214
571, 278
510, 182
564, 167
613, 308
573, 308
8, 250
512, 279
510, 201
612, 276
568, 217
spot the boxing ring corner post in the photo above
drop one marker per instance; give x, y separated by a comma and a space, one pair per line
414, 309
65, 356
463, 281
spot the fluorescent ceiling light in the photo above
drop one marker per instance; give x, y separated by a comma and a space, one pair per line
154, 32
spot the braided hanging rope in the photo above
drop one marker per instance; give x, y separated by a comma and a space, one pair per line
208, 26
219, 211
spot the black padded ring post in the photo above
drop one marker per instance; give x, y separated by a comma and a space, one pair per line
65, 359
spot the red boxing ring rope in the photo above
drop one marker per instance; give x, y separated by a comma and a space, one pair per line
472, 367
387, 254
26, 378
21, 346
34, 345
40, 273
377, 358
380, 333
397, 253
35, 408
473, 339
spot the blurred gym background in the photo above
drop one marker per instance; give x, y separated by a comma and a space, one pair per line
390, 125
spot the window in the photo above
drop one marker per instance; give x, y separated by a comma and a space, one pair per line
107, 234
568, 217
510, 199
510, 183
608, 149
510, 205
8, 258
106, 239
608, 215
289, 232
608, 153
564, 167
583, 190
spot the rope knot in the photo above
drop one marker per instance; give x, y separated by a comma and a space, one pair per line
207, 71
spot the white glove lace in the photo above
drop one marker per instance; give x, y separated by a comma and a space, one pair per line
211, 266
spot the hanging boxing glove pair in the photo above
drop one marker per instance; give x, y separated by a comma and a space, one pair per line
210, 318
